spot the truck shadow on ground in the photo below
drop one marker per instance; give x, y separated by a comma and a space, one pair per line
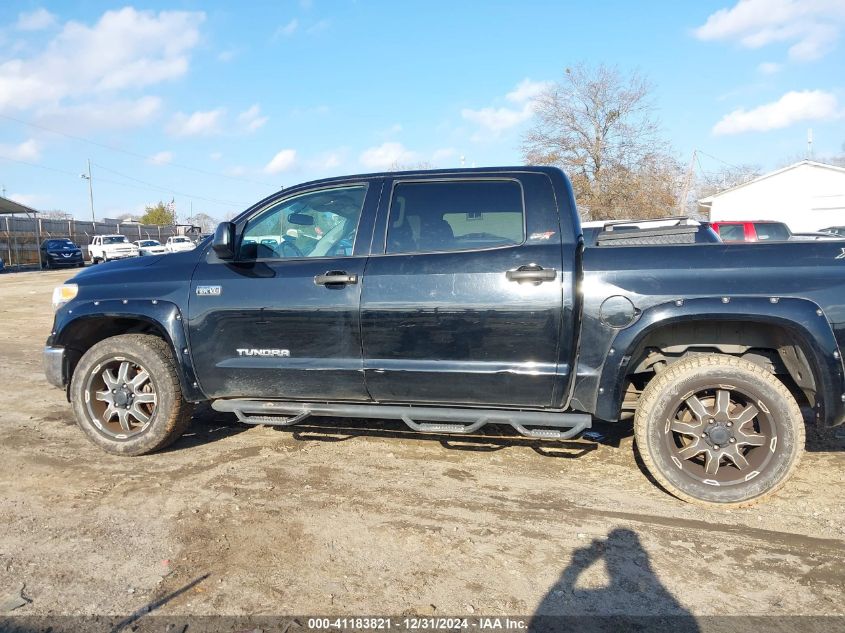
630, 596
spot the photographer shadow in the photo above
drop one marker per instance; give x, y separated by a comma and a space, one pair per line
633, 599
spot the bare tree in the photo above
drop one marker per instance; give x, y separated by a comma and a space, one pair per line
600, 128
397, 166
204, 221
55, 214
708, 183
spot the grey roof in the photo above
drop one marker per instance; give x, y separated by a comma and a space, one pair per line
8, 207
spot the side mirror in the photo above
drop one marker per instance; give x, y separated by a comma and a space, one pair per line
223, 242
301, 219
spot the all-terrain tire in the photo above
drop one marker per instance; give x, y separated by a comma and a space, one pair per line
670, 389
172, 413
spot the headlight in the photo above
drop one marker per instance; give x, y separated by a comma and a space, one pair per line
64, 293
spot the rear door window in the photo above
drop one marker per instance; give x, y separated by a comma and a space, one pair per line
461, 215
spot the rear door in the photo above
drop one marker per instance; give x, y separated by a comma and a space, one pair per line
282, 321
462, 297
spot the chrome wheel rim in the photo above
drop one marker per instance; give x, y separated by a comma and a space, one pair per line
720, 436
121, 398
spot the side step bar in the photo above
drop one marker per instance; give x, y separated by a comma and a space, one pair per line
436, 419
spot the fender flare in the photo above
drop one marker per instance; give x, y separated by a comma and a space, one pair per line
163, 315
803, 319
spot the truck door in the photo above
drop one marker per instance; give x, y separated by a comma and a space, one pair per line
462, 300
282, 320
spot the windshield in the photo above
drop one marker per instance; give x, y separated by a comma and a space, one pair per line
60, 244
181, 239
146, 243
114, 239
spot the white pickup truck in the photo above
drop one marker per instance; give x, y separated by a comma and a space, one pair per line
178, 244
105, 247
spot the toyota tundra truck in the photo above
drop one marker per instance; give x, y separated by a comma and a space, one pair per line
453, 299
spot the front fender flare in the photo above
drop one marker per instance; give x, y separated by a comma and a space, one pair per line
163, 315
802, 318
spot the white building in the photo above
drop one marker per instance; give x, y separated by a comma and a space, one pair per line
807, 196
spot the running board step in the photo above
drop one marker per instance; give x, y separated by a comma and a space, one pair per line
422, 419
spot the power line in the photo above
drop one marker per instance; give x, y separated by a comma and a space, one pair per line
718, 159
167, 189
131, 153
147, 186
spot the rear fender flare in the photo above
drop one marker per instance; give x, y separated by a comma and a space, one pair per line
803, 319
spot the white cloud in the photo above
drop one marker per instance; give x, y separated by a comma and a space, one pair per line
793, 107
527, 91
162, 158
386, 155
496, 120
215, 155
112, 114
200, 123
812, 26
288, 29
226, 56
31, 200
37, 20
443, 155
124, 49
29, 150
282, 161
251, 118
769, 68
318, 27
236, 170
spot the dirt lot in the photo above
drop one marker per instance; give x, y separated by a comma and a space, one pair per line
344, 517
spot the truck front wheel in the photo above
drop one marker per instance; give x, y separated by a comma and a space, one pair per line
126, 395
719, 430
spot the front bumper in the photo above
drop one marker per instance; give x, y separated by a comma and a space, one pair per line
55, 366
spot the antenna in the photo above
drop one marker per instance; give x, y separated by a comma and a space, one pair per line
809, 142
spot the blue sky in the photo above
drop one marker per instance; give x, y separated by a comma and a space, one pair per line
217, 103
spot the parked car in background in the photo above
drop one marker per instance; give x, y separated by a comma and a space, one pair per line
61, 252
2, 266
754, 231
105, 247
834, 230
178, 244
815, 235
150, 247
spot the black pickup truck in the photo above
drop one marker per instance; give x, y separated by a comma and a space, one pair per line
458, 298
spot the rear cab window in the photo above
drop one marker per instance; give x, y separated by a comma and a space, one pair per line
732, 232
771, 231
458, 215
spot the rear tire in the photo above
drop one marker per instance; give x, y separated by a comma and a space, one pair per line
126, 395
719, 430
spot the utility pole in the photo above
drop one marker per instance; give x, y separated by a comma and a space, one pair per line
90, 189
3, 190
682, 202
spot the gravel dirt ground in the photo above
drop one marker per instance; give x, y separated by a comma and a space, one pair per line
351, 517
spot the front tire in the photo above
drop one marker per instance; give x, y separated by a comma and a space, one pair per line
126, 395
719, 430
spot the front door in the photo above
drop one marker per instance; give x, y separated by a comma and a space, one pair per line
464, 303
282, 319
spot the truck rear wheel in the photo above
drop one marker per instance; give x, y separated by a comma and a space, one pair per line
719, 430
126, 395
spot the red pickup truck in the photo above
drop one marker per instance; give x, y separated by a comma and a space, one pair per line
756, 231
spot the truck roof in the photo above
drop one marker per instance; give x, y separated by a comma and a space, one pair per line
435, 173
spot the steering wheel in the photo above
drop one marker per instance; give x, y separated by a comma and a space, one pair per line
280, 249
